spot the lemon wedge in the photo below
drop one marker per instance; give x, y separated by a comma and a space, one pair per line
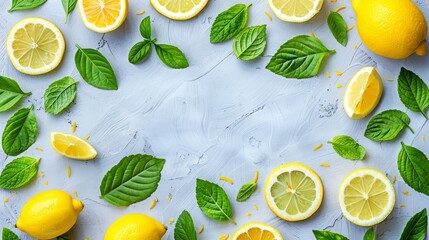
256, 230
179, 9
295, 10
103, 15
72, 147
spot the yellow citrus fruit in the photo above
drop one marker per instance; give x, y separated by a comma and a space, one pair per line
256, 230
295, 10
391, 28
135, 227
366, 197
72, 147
49, 214
103, 15
293, 192
179, 9
35, 46
363, 93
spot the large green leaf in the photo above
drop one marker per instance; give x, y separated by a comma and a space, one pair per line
185, 229
145, 28
338, 27
250, 43
229, 23
139, 51
18, 172
10, 93
171, 56
387, 125
413, 92
348, 148
413, 165
416, 227
59, 95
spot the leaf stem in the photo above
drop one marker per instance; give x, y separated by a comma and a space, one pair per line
231, 220
408, 126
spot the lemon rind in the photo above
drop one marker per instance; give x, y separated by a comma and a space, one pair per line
119, 21
179, 16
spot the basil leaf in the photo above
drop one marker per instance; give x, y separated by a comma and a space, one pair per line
229, 23
10, 93
246, 191
145, 28
185, 229
18, 172
20, 132
139, 51
25, 4
68, 6
132, 180
171, 56
369, 235
8, 235
59, 95
387, 125
348, 148
250, 43
413, 165
95, 69
416, 227
338, 27
213, 201
300, 57
328, 235
413, 92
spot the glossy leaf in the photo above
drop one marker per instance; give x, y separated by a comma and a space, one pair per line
18, 172
387, 125
145, 28
139, 51
10, 93
69, 6
416, 228
250, 43
328, 235
229, 23
348, 148
8, 235
370, 234
246, 191
59, 95
413, 165
185, 229
171, 56
413, 92
338, 27
25, 4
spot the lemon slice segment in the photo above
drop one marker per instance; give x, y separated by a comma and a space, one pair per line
257, 231
103, 15
72, 147
295, 10
366, 197
293, 192
179, 9
35, 46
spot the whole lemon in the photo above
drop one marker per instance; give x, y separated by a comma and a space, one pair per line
391, 28
49, 214
135, 227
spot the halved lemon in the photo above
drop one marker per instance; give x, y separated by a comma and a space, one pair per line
366, 197
72, 147
363, 93
257, 231
35, 46
103, 15
179, 9
295, 10
293, 192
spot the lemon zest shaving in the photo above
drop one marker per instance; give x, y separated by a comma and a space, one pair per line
339, 85
389, 79
325, 165
42, 174
333, 1
6, 200
201, 229
226, 179
87, 137
402, 205
319, 146
255, 179
46, 182
248, 214
140, 12
168, 197
39, 149
312, 34
14, 193
424, 138
171, 221
350, 28
68, 171
355, 46
338, 73
269, 16
394, 178
153, 204
74, 126
406, 193
75, 193
256, 207
223, 237
340, 8
328, 75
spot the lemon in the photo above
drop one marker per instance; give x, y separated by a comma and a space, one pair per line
72, 147
293, 192
135, 227
256, 230
363, 93
295, 10
35, 46
391, 28
49, 214
366, 197
103, 15
179, 9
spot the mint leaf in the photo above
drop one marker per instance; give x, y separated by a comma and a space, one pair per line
413, 165
369, 235
229, 23
25, 4
10, 93
8, 235
246, 191
300, 57
20, 132
59, 95
416, 227
139, 51
171, 56
250, 43
387, 125
213, 201
348, 148
145, 28
185, 229
338, 27
18, 172
132, 180
413, 92
68, 6
328, 235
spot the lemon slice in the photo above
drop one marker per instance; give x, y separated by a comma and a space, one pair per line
35, 46
103, 15
257, 231
293, 192
366, 197
295, 10
72, 147
179, 9
363, 93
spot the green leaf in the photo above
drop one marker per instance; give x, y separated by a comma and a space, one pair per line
68, 6
416, 227
229, 23
10, 93
132, 180
25, 4
338, 27
369, 235
171, 56
328, 235
145, 28
250, 43
246, 191
95, 69
413, 92
8, 235
213, 201
300, 57
413, 165
59, 95
18, 172
185, 229
387, 125
139, 51
348, 148
20, 132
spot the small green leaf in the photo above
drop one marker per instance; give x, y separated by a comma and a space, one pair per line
171, 56
338, 27
413, 92
250, 43
369, 235
68, 6
25, 4
10, 93
229, 23
416, 227
348, 148
139, 51
413, 165
387, 125
8, 235
328, 235
246, 191
59, 95
145, 28
18, 172
185, 229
